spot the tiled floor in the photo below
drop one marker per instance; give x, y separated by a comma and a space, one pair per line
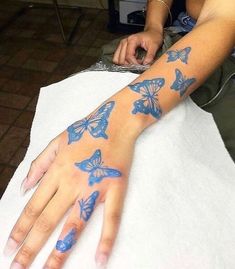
32, 55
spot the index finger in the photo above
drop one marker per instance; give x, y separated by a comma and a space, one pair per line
131, 52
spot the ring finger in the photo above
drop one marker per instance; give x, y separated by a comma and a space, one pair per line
80, 214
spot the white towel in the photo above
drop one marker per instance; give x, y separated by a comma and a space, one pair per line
180, 206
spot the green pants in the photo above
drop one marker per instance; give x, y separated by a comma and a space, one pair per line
216, 95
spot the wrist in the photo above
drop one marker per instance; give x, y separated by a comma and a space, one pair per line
156, 28
124, 123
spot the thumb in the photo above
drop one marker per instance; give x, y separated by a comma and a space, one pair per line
39, 166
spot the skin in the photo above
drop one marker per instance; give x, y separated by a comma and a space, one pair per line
62, 185
152, 37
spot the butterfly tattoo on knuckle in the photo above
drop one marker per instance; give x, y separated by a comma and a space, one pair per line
69, 240
87, 206
181, 83
174, 55
96, 124
148, 104
97, 171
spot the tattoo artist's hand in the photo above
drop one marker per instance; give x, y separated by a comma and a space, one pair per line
85, 165
149, 40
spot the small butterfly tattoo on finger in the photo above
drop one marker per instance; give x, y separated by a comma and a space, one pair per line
87, 206
174, 55
97, 171
69, 240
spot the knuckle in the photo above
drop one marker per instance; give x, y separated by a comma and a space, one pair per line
75, 225
43, 224
107, 242
131, 38
56, 259
26, 253
30, 211
115, 218
129, 58
18, 232
123, 41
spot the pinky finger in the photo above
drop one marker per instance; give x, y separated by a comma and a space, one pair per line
112, 216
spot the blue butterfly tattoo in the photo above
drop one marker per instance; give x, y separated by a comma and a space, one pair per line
96, 124
181, 83
67, 243
148, 104
87, 206
97, 172
182, 55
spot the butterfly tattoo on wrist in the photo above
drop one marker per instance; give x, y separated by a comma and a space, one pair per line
97, 171
96, 124
148, 104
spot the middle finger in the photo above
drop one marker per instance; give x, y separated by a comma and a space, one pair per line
42, 229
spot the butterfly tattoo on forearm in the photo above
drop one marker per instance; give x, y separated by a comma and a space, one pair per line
174, 55
96, 124
181, 83
97, 171
148, 104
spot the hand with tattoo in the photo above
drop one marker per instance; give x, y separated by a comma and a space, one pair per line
86, 165
89, 164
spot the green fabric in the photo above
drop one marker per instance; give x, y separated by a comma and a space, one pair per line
216, 95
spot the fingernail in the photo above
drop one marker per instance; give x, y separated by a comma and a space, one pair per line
24, 186
10, 247
101, 261
146, 62
16, 265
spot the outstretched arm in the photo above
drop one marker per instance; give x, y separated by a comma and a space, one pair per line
188, 63
89, 162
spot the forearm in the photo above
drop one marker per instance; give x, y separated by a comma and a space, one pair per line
207, 51
157, 13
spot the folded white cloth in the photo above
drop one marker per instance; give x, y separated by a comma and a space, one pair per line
180, 206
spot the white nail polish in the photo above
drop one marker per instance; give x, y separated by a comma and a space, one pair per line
16, 265
23, 188
101, 261
10, 247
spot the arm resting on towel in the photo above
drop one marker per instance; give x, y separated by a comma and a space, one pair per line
186, 65
89, 162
